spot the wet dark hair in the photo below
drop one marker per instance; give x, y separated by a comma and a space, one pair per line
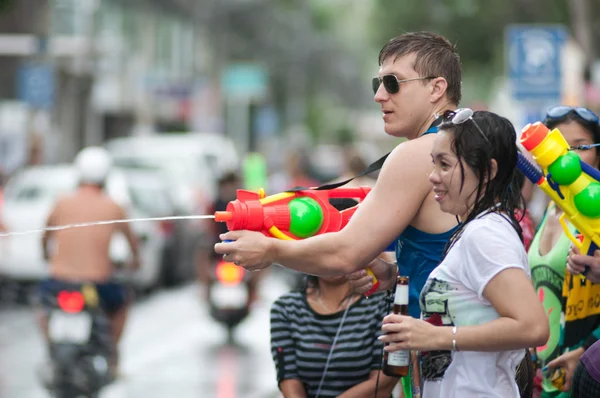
592, 128
501, 193
435, 56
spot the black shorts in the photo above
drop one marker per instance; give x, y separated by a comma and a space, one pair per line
113, 296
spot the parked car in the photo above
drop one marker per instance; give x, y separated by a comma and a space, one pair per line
28, 199
149, 192
192, 164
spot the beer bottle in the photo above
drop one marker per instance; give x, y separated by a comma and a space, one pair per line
395, 364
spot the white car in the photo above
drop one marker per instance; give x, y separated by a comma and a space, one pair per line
192, 164
28, 199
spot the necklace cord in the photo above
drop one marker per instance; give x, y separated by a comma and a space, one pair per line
337, 334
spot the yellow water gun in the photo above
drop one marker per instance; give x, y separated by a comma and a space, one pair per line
572, 184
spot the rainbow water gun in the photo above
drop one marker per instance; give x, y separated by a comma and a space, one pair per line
572, 184
292, 215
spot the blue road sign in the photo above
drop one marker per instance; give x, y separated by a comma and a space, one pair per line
533, 54
245, 80
36, 85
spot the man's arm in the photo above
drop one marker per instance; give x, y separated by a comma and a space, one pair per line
388, 209
131, 238
367, 388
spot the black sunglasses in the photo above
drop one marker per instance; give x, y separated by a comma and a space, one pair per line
459, 116
559, 112
391, 83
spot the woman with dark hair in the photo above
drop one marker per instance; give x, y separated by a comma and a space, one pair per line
569, 333
324, 341
480, 307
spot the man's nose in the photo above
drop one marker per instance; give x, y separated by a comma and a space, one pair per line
381, 95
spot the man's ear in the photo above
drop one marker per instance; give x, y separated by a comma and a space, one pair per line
439, 86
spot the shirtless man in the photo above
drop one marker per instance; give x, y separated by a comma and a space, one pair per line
82, 254
419, 78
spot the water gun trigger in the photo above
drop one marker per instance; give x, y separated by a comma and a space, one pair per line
375, 282
576, 240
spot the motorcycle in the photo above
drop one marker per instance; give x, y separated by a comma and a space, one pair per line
80, 342
229, 295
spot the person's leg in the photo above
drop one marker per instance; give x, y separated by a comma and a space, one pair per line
116, 300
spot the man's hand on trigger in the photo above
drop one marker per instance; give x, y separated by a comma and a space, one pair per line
248, 249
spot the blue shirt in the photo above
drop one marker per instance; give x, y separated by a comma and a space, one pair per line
418, 253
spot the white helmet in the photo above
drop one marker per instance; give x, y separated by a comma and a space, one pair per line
93, 165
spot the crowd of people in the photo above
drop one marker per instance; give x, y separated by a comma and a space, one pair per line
498, 306
490, 310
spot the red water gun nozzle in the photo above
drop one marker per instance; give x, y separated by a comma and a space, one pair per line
223, 216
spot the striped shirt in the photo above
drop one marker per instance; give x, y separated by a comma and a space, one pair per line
301, 340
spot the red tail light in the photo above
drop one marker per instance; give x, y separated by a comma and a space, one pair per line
71, 302
229, 273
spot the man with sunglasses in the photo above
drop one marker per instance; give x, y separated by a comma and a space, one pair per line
419, 79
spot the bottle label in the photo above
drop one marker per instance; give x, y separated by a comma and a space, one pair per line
398, 358
401, 296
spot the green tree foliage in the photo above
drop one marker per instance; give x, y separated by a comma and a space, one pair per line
475, 26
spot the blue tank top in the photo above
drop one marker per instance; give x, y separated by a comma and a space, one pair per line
417, 254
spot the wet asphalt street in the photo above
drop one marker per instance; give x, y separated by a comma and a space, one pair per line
171, 348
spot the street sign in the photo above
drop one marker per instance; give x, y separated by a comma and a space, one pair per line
36, 85
246, 81
533, 54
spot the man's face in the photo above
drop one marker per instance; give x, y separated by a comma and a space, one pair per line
405, 112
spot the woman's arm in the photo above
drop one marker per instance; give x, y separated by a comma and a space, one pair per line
367, 388
292, 388
283, 349
522, 322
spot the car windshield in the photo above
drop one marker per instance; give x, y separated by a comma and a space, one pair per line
30, 186
150, 199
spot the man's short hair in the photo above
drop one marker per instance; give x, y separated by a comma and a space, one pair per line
435, 56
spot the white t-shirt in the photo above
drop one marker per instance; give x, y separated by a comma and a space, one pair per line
453, 295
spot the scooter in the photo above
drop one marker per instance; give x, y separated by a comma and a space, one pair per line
80, 342
229, 295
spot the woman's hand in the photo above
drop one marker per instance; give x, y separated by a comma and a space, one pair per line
361, 282
250, 250
408, 333
577, 263
568, 361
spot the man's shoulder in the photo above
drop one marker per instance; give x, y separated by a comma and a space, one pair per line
411, 155
420, 146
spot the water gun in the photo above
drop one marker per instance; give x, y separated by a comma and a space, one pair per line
572, 184
292, 215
